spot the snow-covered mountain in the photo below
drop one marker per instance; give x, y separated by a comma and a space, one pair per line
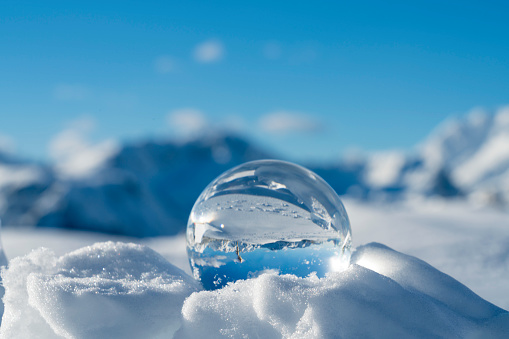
22, 185
464, 156
148, 188
143, 189
475, 152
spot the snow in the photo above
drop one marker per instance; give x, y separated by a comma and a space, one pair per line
457, 139
147, 188
474, 150
409, 299
20, 241
139, 189
64, 292
3, 263
384, 168
17, 176
75, 157
119, 290
131, 291
101, 291
467, 242
492, 157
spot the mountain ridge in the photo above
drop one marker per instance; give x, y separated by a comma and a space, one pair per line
147, 188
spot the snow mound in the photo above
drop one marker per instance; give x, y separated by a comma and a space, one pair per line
383, 294
102, 291
417, 276
115, 290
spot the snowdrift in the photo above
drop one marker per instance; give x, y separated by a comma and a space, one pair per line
118, 290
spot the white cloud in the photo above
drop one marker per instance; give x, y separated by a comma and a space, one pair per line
209, 51
7, 144
165, 64
272, 50
187, 120
284, 122
69, 92
74, 154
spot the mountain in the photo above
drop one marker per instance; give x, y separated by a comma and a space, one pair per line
22, 184
141, 189
463, 157
148, 188
475, 152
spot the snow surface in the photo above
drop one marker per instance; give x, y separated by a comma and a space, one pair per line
119, 290
108, 290
400, 296
467, 242
386, 293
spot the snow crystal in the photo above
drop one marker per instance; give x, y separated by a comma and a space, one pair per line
101, 291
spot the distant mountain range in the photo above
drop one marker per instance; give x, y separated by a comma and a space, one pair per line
148, 188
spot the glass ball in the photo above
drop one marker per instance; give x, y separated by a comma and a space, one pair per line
267, 216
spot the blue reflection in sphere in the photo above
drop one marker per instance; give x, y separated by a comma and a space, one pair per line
267, 215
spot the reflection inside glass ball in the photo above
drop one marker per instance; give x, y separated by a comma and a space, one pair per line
267, 216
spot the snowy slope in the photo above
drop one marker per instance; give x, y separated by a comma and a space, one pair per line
22, 185
475, 151
464, 156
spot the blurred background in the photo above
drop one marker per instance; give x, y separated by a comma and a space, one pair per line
115, 116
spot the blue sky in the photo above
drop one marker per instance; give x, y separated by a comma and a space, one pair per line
309, 80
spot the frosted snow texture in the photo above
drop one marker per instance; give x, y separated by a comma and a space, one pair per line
108, 290
406, 299
115, 290
267, 215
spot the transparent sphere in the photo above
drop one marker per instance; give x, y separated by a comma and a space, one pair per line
267, 215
